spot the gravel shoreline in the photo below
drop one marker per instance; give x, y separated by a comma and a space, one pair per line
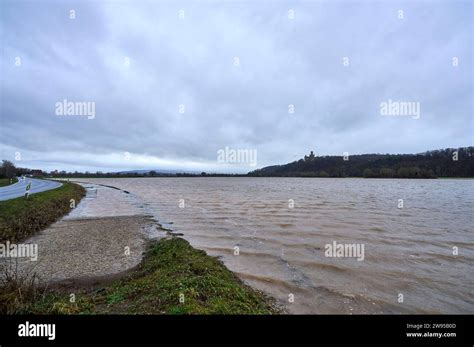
87, 248
88, 243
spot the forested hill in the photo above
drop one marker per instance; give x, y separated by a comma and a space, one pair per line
450, 162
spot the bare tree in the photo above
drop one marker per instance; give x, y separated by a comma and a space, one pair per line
7, 169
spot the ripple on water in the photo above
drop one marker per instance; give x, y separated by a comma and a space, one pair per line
282, 248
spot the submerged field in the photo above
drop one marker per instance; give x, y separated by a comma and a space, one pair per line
281, 228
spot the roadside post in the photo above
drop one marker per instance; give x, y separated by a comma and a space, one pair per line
27, 191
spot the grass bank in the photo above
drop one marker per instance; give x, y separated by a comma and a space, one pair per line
6, 181
20, 217
173, 278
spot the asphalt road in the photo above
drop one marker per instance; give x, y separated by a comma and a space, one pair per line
18, 189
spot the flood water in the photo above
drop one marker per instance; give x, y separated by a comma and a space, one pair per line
417, 237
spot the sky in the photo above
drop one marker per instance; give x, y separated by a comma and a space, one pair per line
169, 84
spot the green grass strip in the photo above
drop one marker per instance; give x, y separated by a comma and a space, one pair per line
21, 218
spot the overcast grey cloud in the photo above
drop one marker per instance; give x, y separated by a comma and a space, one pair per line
138, 61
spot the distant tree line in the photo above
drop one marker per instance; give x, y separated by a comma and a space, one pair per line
9, 170
447, 162
100, 174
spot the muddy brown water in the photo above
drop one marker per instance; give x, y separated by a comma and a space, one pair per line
408, 252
